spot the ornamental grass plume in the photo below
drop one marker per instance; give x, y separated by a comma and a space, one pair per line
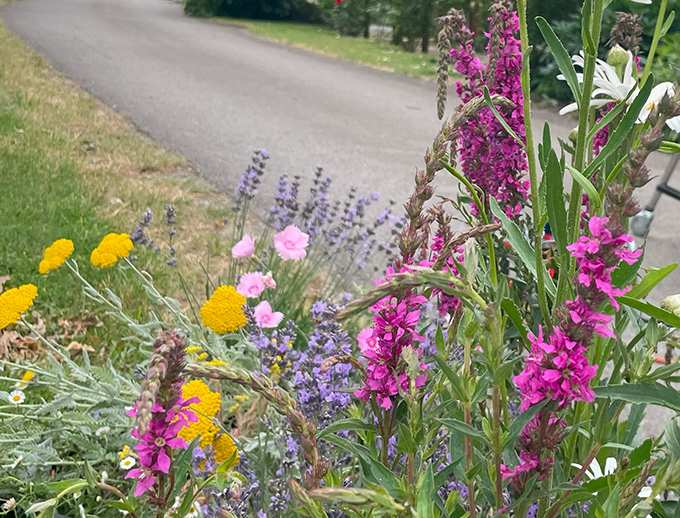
161, 412
110, 249
223, 312
55, 255
14, 302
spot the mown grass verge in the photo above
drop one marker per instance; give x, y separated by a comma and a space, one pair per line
327, 41
71, 167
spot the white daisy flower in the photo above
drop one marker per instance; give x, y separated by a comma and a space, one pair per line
594, 471
16, 397
101, 431
104, 477
193, 512
21, 385
608, 83
127, 463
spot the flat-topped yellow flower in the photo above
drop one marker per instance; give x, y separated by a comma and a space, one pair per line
205, 410
111, 248
224, 448
223, 312
55, 255
23, 382
14, 302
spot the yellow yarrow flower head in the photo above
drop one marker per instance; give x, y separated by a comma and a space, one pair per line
14, 302
205, 410
23, 382
215, 362
111, 248
55, 255
224, 448
223, 312
125, 452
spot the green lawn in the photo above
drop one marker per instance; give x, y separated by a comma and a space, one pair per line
326, 41
70, 167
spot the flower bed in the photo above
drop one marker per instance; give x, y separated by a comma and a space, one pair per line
488, 373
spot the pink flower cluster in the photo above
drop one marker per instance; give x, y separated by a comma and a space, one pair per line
156, 445
490, 158
395, 322
557, 369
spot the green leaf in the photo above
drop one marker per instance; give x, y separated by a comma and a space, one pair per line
586, 185
90, 475
494, 110
521, 245
511, 309
522, 420
426, 495
669, 147
653, 311
464, 428
668, 23
345, 424
611, 505
642, 393
405, 441
41, 506
456, 382
374, 470
673, 439
609, 117
557, 213
622, 131
652, 279
562, 57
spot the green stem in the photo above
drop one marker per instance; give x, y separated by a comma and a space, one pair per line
655, 41
568, 268
531, 160
485, 219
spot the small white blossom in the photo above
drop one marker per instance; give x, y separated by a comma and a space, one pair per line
9, 504
104, 477
82, 511
127, 463
16, 397
101, 431
17, 461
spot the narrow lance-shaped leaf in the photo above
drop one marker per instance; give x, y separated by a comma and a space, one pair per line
521, 246
494, 110
562, 57
622, 131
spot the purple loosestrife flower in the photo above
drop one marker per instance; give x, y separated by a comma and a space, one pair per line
489, 157
395, 320
161, 412
557, 368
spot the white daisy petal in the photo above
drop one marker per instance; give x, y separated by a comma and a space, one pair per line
674, 123
610, 466
645, 492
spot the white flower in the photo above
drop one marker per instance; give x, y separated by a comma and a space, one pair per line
104, 477
595, 471
21, 385
17, 461
608, 83
674, 123
102, 431
193, 511
646, 2
654, 99
82, 511
123, 511
127, 463
9, 504
16, 397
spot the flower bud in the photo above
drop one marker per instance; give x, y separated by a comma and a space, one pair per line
573, 136
672, 304
618, 56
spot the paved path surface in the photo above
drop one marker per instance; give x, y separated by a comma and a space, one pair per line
215, 93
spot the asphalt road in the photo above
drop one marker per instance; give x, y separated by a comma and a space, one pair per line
214, 93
